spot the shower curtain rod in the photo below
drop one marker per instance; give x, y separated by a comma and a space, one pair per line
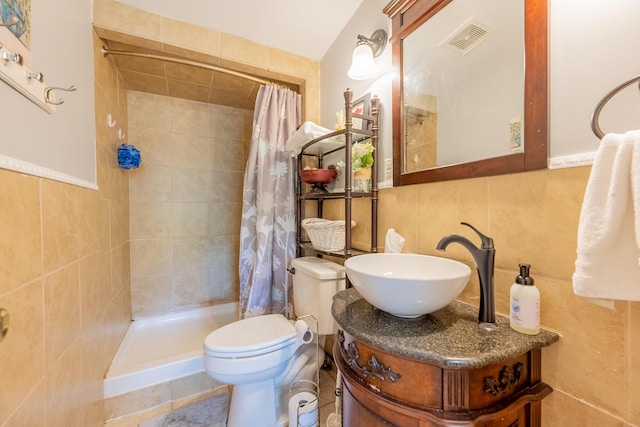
106, 52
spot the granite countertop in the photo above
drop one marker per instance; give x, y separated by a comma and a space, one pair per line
449, 338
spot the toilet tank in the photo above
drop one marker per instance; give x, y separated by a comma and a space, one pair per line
315, 282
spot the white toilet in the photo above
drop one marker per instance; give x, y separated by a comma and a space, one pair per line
253, 354
315, 282
250, 354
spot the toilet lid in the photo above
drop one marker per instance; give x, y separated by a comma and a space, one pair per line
248, 337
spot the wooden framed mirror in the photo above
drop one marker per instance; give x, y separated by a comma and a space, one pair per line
441, 116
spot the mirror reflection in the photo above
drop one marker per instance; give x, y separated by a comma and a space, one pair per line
463, 85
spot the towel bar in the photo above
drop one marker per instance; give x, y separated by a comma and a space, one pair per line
595, 127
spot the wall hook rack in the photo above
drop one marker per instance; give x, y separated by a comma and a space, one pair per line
26, 81
51, 99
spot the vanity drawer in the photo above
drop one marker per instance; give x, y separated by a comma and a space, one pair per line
406, 380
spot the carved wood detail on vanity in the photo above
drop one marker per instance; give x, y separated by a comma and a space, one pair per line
508, 378
376, 369
506, 394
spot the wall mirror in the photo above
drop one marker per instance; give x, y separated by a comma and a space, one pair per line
469, 89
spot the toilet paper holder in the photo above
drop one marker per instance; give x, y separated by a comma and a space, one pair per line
304, 404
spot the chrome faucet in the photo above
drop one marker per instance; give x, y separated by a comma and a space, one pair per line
484, 257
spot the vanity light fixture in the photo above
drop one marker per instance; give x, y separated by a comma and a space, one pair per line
362, 65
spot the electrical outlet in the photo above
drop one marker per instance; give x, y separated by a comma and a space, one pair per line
388, 169
515, 134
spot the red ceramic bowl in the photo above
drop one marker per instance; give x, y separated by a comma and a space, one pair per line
318, 176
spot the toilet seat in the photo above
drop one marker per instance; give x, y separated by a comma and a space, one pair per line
250, 337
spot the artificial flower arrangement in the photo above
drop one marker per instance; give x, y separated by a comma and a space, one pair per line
361, 156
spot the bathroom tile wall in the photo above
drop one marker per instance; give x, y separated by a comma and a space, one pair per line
533, 218
185, 202
65, 280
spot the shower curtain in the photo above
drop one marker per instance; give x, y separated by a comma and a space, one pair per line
267, 234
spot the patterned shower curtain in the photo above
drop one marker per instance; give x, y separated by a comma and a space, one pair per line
267, 235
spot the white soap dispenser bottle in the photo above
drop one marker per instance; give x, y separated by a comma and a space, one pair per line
524, 310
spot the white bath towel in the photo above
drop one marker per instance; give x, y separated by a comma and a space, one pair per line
608, 263
306, 133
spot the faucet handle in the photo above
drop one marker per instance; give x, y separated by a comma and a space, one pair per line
487, 242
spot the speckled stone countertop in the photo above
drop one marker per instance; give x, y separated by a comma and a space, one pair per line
450, 337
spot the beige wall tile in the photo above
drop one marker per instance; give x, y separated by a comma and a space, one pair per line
194, 384
127, 19
20, 230
149, 111
93, 222
227, 154
191, 253
225, 218
190, 152
225, 123
64, 389
150, 256
138, 400
189, 117
150, 220
95, 290
59, 224
192, 288
190, 36
23, 349
154, 145
120, 267
443, 206
243, 51
589, 361
32, 411
62, 323
190, 219
151, 295
151, 183
191, 185
562, 410
535, 218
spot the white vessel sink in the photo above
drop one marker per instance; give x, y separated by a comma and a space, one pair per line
407, 285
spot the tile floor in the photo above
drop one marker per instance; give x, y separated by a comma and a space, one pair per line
327, 393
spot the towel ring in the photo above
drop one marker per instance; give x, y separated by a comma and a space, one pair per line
595, 127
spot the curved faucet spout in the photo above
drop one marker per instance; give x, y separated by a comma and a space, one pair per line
484, 257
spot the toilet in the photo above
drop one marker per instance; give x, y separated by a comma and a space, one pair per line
254, 354
249, 354
315, 282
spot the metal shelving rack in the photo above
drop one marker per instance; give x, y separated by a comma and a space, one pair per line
368, 128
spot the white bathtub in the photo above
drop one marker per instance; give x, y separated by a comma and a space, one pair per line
160, 349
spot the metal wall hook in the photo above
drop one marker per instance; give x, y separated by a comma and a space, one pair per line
11, 20
35, 75
47, 94
13, 57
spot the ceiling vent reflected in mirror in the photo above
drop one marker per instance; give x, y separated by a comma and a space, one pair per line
467, 36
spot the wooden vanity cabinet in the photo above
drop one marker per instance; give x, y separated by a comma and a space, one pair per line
384, 389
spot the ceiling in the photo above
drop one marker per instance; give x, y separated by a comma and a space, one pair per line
316, 25
303, 27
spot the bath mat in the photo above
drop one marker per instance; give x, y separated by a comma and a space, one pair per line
207, 413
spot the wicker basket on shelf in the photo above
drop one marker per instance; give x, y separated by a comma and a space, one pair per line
326, 235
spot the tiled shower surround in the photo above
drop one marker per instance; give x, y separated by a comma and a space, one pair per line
185, 202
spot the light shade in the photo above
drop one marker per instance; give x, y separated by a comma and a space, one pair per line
362, 65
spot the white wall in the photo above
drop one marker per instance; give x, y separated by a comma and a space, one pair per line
592, 49
61, 44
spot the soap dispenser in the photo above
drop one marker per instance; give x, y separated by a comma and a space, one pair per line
524, 310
